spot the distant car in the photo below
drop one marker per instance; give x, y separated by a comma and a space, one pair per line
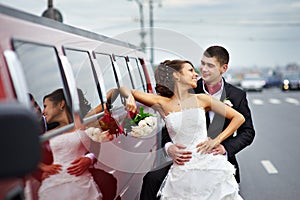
233, 80
291, 81
252, 83
272, 81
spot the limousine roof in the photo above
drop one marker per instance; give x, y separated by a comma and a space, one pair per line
61, 26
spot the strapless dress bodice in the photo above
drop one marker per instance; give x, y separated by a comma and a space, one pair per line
187, 127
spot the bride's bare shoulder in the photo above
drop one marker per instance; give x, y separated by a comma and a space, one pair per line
203, 96
204, 100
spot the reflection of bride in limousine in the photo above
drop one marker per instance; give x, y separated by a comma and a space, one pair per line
65, 179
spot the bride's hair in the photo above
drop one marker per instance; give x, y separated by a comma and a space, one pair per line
58, 95
164, 76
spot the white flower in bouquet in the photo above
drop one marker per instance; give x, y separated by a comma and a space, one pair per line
97, 135
145, 127
142, 124
93, 133
151, 121
137, 131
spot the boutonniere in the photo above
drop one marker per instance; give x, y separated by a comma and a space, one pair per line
227, 102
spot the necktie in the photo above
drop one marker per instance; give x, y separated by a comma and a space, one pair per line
207, 120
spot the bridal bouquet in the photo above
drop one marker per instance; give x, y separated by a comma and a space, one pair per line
97, 135
107, 122
140, 124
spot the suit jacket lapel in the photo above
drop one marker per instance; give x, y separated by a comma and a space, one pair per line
200, 90
217, 124
226, 91
207, 120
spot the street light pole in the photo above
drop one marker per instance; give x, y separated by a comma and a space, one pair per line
142, 32
151, 32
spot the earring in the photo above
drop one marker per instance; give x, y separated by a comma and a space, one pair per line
61, 108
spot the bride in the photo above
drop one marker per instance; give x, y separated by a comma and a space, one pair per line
205, 176
66, 178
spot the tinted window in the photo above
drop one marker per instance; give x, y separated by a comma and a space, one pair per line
125, 79
136, 73
108, 74
41, 68
140, 67
84, 76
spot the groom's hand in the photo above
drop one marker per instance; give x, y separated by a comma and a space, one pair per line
79, 166
220, 149
178, 153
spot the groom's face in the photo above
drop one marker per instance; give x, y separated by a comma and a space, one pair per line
211, 70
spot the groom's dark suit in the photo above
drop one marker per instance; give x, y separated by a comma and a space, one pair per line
244, 137
245, 134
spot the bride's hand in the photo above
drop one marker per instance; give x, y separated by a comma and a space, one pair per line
207, 146
48, 170
130, 103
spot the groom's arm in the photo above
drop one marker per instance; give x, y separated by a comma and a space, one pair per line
81, 164
165, 138
175, 151
245, 133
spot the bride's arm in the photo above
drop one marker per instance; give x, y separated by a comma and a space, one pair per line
142, 97
237, 119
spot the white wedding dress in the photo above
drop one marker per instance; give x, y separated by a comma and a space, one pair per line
205, 176
66, 148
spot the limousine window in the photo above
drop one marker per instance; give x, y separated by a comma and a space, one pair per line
139, 79
126, 80
140, 67
109, 75
41, 67
84, 75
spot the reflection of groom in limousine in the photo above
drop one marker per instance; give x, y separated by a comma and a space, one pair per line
213, 64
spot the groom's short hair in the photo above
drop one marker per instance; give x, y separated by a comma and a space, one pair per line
219, 52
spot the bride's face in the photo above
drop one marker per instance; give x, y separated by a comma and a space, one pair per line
51, 111
188, 76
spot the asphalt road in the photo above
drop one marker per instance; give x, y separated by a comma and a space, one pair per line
270, 167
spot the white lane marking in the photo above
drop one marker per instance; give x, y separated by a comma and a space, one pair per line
269, 167
257, 102
292, 101
274, 101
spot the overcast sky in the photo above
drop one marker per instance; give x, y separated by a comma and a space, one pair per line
256, 33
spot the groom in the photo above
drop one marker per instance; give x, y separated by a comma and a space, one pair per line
214, 64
